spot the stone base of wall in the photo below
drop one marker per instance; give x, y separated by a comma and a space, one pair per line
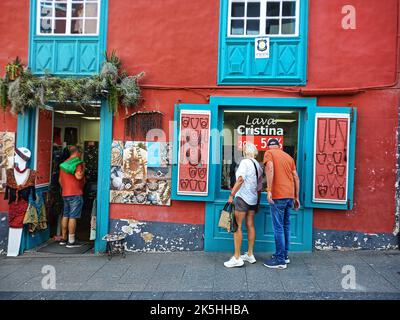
352, 240
147, 236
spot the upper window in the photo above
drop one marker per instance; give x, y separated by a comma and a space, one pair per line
68, 17
250, 18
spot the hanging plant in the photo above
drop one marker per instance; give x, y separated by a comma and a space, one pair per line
28, 90
14, 69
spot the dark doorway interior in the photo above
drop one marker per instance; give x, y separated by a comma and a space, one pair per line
74, 125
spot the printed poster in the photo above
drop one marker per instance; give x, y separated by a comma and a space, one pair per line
140, 173
7, 145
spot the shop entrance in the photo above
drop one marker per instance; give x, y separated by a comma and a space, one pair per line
74, 126
257, 124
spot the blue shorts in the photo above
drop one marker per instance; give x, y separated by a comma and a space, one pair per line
73, 207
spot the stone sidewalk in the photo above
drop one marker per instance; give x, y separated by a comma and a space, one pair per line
200, 275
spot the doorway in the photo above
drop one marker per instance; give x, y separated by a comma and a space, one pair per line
256, 120
74, 126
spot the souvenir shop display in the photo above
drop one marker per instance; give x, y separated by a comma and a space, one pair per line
20, 187
193, 153
140, 173
330, 159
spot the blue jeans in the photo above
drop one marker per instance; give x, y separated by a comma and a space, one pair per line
280, 213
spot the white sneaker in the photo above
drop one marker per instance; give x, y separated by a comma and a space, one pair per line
233, 262
246, 257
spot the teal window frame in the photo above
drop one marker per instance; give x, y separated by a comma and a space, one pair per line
287, 65
46, 49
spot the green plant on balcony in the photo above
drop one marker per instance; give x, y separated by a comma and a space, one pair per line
29, 91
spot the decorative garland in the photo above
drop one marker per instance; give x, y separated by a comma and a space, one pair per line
21, 89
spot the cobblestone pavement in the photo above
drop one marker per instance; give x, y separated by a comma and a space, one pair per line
201, 275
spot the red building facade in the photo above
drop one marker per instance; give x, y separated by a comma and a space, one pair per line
176, 44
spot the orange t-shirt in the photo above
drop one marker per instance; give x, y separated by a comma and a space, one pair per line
283, 184
70, 185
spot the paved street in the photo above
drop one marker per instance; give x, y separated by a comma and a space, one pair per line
199, 275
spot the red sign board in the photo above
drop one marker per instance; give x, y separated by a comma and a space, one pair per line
330, 159
259, 141
194, 145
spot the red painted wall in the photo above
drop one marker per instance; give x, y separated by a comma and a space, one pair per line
176, 43
14, 35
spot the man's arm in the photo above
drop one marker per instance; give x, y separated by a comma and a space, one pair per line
296, 189
269, 169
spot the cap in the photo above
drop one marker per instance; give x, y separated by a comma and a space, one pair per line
273, 142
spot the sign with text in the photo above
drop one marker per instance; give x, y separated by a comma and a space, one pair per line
259, 141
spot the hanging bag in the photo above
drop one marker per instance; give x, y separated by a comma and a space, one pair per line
227, 218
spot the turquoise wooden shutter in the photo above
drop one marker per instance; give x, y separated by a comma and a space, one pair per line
287, 62
330, 158
194, 180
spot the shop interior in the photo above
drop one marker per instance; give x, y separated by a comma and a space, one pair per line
257, 126
74, 125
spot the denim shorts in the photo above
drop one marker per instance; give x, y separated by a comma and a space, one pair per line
241, 205
73, 207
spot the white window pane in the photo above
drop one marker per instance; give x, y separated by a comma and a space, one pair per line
46, 9
237, 27
253, 27
272, 26
91, 10
45, 26
288, 26
237, 9
289, 9
273, 9
77, 10
61, 10
76, 26
253, 9
91, 26
60, 26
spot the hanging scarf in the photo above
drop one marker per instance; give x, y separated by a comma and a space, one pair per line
70, 165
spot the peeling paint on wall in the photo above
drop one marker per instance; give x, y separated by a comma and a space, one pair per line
146, 236
352, 240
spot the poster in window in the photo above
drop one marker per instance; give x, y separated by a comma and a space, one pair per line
7, 144
139, 173
193, 154
331, 154
44, 146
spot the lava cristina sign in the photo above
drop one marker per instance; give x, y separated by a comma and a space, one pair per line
194, 145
